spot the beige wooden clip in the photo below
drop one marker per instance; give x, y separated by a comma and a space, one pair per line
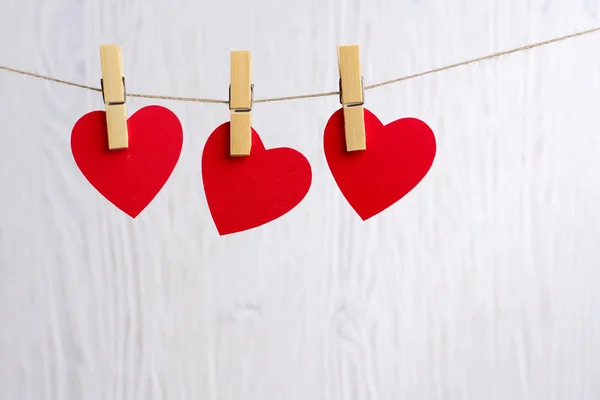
352, 97
240, 104
113, 93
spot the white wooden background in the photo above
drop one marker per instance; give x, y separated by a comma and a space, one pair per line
481, 284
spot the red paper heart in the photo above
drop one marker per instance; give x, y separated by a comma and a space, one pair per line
397, 158
129, 178
246, 192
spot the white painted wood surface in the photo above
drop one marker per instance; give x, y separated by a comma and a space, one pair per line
483, 283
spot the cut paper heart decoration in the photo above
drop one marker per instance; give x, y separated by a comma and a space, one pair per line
396, 159
246, 186
246, 192
129, 178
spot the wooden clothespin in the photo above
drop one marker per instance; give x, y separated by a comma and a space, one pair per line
113, 93
240, 104
352, 97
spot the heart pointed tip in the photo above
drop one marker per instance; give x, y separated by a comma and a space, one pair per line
224, 232
367, 216
132, 214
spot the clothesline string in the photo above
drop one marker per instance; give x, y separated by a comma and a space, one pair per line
324, 94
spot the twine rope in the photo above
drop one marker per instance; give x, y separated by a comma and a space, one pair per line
323, 94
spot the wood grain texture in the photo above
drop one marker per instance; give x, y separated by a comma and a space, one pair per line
350, 76
240, 133
113, 89
483, 283
111, 62
240, 104
116, 126
241, 79
352, 97
354, 128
